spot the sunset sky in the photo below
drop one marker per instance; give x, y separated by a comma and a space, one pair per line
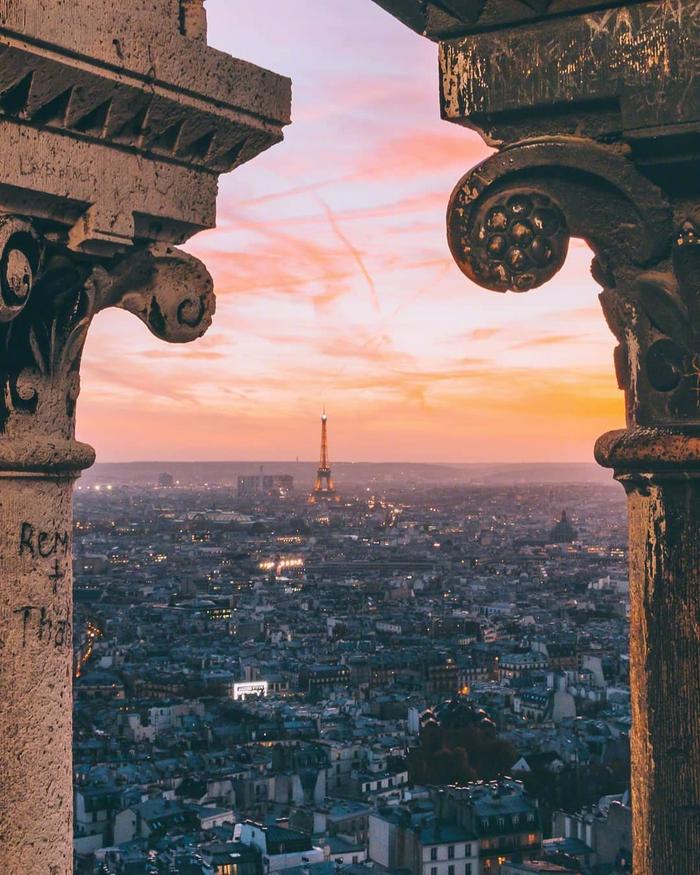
335, 285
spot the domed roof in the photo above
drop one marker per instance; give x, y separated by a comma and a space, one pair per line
563, 532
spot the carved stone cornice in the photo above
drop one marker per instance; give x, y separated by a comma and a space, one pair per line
119, 136
93, 102
614, 72
446, 19
48, 298
588, 75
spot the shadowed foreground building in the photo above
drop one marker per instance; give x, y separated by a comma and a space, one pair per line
594, 108
115, 122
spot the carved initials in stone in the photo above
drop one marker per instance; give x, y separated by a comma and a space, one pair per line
38, 543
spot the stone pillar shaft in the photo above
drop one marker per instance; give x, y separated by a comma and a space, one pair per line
48, 298
35, 674
664, 532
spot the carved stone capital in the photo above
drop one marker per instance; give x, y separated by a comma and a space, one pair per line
48, 298
509, 225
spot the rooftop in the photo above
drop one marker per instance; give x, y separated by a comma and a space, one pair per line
440, 832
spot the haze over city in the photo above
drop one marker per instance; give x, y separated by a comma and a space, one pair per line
335, 285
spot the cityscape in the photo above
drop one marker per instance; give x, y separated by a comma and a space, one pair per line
368, 671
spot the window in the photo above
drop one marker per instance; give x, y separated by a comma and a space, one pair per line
467, 868
433, 853
450, 852
501, 822
531, 818
485, 823
433, 870
467, 853
450, 870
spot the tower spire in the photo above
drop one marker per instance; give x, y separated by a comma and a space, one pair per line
324, 488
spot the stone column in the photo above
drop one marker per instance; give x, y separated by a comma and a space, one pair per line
35, 670
114, 128
48, 298
593, 108
37, 469
664, 521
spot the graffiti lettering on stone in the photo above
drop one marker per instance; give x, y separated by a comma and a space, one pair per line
43, 624
36, 542
56, 575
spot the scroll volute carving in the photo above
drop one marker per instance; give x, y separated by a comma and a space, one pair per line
48, 298
509, 225
169, 290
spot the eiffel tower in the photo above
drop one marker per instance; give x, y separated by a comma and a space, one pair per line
324, 488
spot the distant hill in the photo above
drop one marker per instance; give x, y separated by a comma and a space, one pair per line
351, 473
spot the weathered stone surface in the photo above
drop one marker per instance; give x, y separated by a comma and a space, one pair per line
443, 19
664, 522
86, 96
149, 38
36, 659
115, 122
596, 111
48, 297
627, 73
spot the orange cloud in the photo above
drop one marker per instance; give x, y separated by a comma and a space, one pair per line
547, 340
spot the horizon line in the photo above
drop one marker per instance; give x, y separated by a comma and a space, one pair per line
590, 462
